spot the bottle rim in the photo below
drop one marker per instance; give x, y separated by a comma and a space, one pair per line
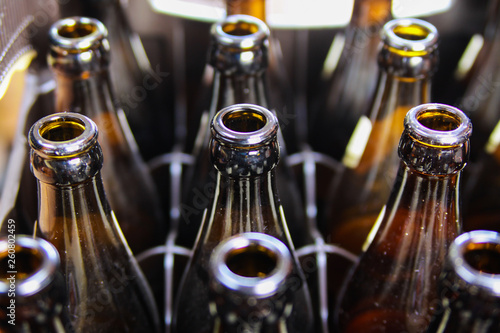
420, 46
259, 286
95, 33
246, 41
463, 269
63, 148
42, 275
262, 135
444, 138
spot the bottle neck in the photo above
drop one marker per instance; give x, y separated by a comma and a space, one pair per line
236, 88
244, 204
370, 14
396, 95
79, 210
88, 95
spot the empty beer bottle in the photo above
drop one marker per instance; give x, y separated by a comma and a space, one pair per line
244, 150
239, 57
407, 60
32, 291
393, 287
481, 100
140, 87
107, 290
349, 90
79, 57
470, 286
252, 286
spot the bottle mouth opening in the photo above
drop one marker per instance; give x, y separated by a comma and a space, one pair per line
411, 32
475, 257
31, 262
251, 263
63, 134
241, 32
439, 120
240, 28
245, 125
418, 37
60, 130
483, 257
77, 33
76, 29
244, 121
438, 124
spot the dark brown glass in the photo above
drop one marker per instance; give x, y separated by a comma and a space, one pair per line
107, 290
32, 291
79, 58
236, 80
393, 287
469, 286
244, 151
348, 92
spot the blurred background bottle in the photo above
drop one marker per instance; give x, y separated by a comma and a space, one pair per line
482, 187
140, 87
32, 291
348, 89
106, 288
481, 99
244, 150
469, 286
393, 287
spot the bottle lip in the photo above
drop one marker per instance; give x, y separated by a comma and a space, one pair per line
262, 135
43, 275
82, 142
243, 42
97, 34
445, 138
420, 46
463, 269
260, 287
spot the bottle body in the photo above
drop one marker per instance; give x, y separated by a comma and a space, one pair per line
106, 286
393, 286
244, 152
